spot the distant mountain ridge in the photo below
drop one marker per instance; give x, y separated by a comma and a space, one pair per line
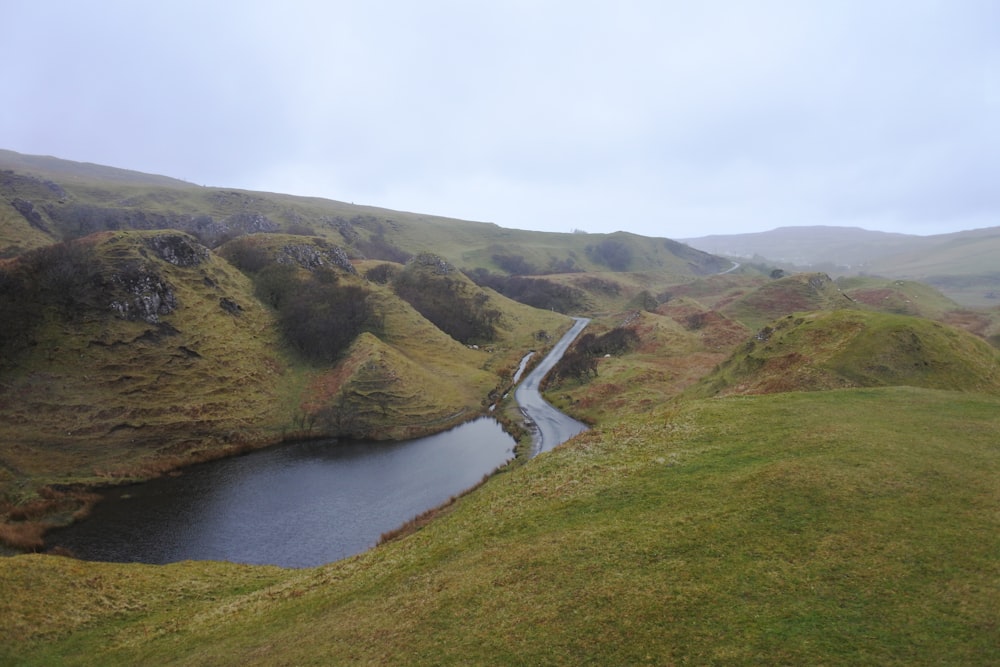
964, 265
805, 245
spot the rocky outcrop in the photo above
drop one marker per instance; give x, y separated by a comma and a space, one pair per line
435, 262
177, 249
30, 213
312, 257
145, 295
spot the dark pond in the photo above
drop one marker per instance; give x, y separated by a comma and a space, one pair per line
296, 505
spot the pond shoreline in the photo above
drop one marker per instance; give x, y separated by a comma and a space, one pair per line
65, 505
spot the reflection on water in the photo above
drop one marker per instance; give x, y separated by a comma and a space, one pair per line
296, 505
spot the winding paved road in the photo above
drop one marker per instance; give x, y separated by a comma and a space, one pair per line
552, 427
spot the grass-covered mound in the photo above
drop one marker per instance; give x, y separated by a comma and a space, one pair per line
851, 348
376, 391
791, 294
126, 354
125, 338
907, 297
903, 297
840, 527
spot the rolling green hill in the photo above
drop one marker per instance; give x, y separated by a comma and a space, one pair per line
126, 354
824, 247
799, 292
780, 470
850, 348
850, 527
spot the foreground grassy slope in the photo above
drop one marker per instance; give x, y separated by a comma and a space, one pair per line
841, 527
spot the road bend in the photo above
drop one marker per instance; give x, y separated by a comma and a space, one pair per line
551, 426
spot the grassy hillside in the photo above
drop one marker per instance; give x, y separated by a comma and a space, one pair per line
700, 324
779, 471
44, 200
964, 266
126, 354
842, 527
847, 348
795, 293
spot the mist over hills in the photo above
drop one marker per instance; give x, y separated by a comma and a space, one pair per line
964, 265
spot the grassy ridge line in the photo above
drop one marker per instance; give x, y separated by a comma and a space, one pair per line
841, 527
71, 199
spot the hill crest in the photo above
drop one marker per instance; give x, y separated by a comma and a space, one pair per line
853, 348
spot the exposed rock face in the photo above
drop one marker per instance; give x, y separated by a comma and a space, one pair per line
439, 265
29, 212
147, 295
311, 257
230, 306
250, 223
177, 249
820, 280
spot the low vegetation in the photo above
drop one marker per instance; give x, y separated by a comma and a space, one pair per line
839, 349
781, 469
840, 527
132, 353
449, 299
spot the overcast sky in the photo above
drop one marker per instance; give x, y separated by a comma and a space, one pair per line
660, 117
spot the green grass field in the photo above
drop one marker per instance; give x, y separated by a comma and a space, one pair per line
839, 527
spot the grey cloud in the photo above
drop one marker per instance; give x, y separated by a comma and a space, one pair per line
648, 116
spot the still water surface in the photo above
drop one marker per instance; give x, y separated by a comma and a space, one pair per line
297, 505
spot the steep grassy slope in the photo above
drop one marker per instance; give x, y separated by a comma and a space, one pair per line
136, 336
847, 348
845, 527
126, 354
